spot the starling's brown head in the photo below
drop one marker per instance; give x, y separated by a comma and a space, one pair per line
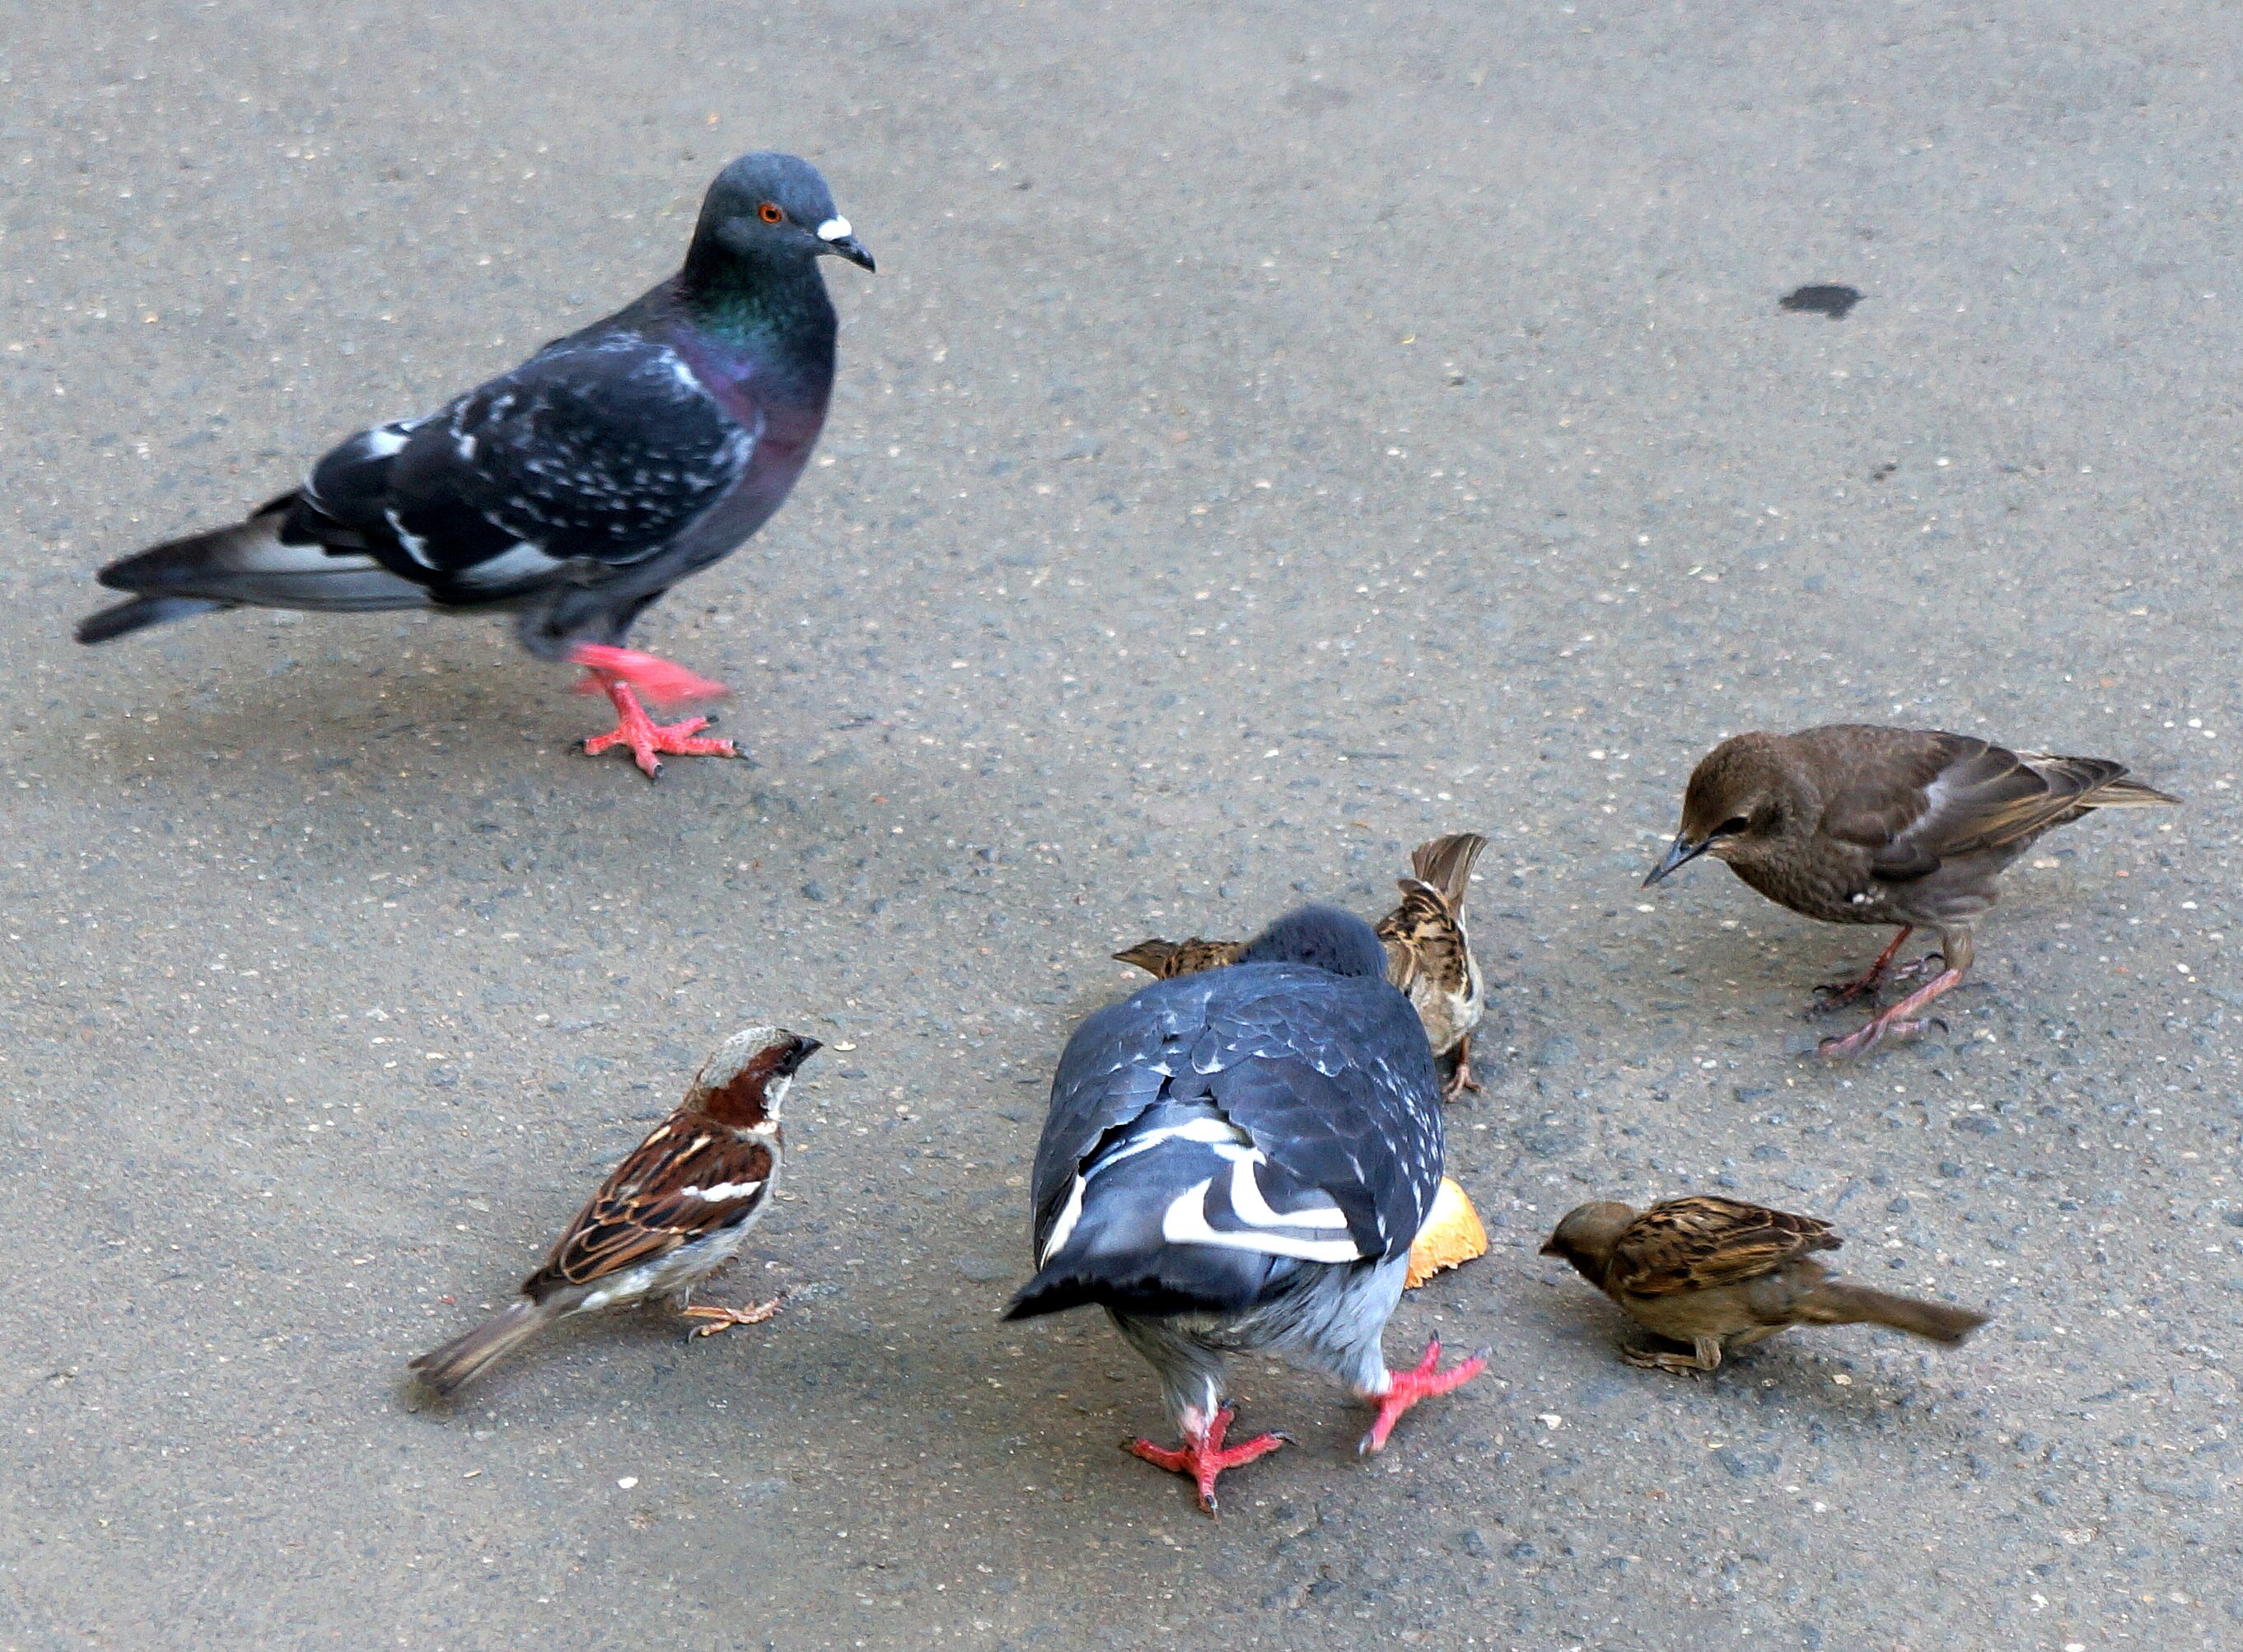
1586, 1235
745, 1081
1744, 794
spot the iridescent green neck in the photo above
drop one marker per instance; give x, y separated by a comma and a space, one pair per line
748, 301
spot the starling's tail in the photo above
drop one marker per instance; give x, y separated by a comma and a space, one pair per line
1446, 863
260, 562
445, 1370
1837, 1302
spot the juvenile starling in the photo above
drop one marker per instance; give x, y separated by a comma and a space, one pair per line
1429, 953
1237, 1162
1719, 1274
667, 1218
1854, 823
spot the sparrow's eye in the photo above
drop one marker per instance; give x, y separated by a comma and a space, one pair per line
769, 211
1732, 826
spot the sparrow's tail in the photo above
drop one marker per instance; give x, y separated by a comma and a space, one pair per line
2125, 792
1446, 863
260, 562
1837, 1302
446, 1369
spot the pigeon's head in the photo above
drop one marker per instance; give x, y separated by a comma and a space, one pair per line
744, 1083
773, 208
1746, 795
1321, 937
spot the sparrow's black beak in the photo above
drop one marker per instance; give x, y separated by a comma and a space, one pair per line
1682, 852
842, 243
803, 1049
1549, 1248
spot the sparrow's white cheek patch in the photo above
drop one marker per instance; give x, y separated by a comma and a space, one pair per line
834, 229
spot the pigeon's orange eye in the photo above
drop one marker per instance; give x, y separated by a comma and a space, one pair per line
769, 212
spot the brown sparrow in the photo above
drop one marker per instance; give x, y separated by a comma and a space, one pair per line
1719, 1274
671, 1215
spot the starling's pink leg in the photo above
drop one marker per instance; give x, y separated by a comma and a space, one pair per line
1203, 1455
617, 672
1833, 994
1405, 1388
1893, 1023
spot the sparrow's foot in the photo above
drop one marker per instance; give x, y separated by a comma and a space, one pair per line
1203, 1455
715, 1319
645, 737
1835, 995
1405, 1388
1460, 1074
1706, 1356
1899, 1022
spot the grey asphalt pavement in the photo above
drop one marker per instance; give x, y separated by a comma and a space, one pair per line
1275, 434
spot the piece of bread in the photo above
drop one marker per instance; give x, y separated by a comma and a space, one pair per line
1451, 1235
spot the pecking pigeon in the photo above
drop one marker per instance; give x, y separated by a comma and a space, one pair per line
578, 489
1237, 1162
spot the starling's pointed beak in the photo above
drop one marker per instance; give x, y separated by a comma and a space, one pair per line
843, 243
1681, 853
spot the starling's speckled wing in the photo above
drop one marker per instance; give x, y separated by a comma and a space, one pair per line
1321, 1085
1696, 1243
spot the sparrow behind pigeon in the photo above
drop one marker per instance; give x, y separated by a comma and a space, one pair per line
1719, 1274
1428, 954
671, 1215
578, 489
1858, 824
1237, 1161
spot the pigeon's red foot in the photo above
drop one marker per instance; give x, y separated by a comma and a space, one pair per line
1405, 1388
645, 737
1899, 1022
1203, 1455
1836, 994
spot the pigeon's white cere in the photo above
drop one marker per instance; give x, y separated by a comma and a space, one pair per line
834, 229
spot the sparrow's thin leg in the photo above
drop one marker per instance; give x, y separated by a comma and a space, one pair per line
1705, 1355
1834, 994
1460, 1075
645, 737
1202, 1455
1405, 1388
1896, 1021
715, 1319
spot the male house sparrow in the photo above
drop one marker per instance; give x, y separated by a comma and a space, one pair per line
672, 1213
1719, 1274
1428, 954
1236, 1162
577, 488
1857, 824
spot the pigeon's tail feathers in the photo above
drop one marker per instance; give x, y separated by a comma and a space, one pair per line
1179, 1213
1446, 863
263, 563
1837, 1302
444, 1370
142, 611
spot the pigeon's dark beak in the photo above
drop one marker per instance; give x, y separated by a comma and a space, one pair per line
1681, 853
842, 243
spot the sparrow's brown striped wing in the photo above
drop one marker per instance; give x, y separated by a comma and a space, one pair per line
689, 1179
1695, 1243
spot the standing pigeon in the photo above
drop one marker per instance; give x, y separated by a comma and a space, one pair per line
578, 489
1237, 1162
1854, 823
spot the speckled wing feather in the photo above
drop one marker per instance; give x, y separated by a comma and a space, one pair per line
1701, 1241
1330, 1075
1163, 960
689, 1179
1927, 798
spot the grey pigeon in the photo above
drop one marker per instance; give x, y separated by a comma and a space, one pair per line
1237, 1161
577, 488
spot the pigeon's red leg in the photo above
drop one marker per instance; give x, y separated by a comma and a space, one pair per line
1833, 994
660, 681
1895, 1022
1203, 1455
1405, 1388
